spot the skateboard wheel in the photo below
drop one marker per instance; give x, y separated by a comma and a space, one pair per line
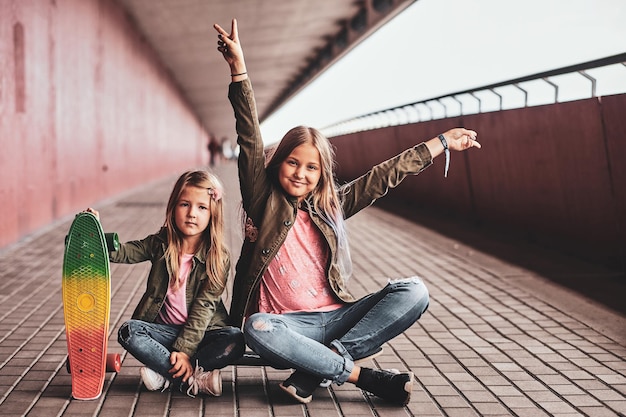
112, 241
67, 366
114, 362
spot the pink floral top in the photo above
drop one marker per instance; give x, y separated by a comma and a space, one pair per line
295, 279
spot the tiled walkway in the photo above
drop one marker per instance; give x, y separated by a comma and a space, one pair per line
497, 340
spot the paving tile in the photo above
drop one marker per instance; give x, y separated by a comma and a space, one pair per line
499, 339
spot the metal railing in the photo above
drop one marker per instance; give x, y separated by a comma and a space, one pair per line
590, 79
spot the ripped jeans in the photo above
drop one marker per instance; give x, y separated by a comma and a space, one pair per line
150, 344
308, 341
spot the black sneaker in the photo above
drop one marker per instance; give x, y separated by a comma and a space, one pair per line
327, 382
300, 386
392, 387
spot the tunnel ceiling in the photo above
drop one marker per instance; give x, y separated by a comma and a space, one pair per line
287, 43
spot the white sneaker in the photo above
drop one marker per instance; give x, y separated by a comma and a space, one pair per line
209, 382
153, 380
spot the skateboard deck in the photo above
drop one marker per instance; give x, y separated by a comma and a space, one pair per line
251, 358
86, 306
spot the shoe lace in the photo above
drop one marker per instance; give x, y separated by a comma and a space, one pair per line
194, 384
198, 381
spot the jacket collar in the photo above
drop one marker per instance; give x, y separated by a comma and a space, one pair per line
162, 236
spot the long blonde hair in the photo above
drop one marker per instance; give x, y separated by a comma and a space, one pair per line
212, 242
324, 199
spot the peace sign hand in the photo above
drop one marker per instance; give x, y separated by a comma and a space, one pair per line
230, 47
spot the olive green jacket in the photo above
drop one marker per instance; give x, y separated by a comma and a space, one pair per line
205, 310
271, 213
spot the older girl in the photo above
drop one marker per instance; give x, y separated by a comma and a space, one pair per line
291, 280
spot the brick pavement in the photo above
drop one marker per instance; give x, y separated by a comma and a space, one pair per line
498, 339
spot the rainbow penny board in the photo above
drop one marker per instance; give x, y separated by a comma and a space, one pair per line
86, 305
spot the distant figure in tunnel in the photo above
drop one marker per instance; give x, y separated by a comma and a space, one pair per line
214, 150
181, 319
290, 286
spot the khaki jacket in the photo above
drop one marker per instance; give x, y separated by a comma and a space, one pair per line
272, 213
205, 309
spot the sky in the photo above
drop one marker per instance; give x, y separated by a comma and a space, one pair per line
437, 47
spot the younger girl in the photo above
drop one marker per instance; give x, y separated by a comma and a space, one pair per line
181, 320
291, 279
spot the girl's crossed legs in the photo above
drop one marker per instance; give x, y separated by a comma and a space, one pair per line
150, 344
325, 344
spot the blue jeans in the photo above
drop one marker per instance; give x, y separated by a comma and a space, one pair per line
305, 340
150, 344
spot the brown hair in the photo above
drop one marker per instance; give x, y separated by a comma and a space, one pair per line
324, 199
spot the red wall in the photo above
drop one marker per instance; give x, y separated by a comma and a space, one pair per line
554, 174
86, 112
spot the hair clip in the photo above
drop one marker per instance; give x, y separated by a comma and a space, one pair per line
215, 194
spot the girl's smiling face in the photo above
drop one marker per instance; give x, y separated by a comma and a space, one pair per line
192, 212
300, 172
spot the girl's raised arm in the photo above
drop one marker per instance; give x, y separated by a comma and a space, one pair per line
230, 47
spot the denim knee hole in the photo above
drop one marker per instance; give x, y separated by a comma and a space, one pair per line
262, 325
124, 333
414, 280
